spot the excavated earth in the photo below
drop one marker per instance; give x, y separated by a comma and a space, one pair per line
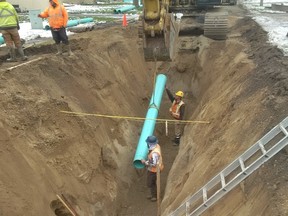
240, 86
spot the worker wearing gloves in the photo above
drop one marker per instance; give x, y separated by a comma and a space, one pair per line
57, 18
9, 26
154, 159
177, 110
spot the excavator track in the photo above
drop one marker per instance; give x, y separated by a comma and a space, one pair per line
216, 25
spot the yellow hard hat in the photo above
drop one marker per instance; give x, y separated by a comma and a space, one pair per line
179, 93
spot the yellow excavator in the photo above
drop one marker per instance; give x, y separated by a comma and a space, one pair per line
158, 30
159, 26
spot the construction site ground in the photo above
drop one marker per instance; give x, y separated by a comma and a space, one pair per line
240, 86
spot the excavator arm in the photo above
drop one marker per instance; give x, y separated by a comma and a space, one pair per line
158, 30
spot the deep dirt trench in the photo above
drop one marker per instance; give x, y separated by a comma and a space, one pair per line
239, 85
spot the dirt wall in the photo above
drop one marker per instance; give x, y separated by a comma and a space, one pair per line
234, 95
45, 152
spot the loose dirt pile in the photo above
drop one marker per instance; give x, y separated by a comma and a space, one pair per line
239, 85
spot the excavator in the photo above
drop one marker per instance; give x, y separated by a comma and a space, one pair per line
160, 25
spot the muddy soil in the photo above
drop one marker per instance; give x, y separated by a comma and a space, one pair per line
239, 85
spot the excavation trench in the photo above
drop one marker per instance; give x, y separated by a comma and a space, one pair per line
71, 132
85, 154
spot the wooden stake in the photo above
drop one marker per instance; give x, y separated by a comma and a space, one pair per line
166, 127
66, 204
158, 191
19, 65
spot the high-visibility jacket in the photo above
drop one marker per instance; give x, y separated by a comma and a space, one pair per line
8, 16
57, 17
175, 109
156, 150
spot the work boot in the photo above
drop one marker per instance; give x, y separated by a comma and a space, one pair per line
12, 55
21, 52
149, 196
176, 141
69, 50
59, 49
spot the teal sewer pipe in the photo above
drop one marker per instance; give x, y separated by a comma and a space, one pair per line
72, 23
86, 20
124, 9
1, 40
150, 121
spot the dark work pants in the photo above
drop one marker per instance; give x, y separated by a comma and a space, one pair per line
151, 183
60, 35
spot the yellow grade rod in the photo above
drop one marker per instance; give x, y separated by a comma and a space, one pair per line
133, 118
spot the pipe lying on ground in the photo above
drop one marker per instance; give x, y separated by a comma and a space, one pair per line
72, 23
82, 27
124, 9
86, 20
150, 121
2, 40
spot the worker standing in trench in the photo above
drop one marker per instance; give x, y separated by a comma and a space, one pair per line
9, 26
57, 18
177, 110
154, 161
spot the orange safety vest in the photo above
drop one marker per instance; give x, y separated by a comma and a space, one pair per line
157, 150
57, 17
175, 109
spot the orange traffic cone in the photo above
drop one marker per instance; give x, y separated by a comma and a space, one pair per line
124, 22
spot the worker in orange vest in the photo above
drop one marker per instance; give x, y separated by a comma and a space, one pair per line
57, 18
177, 110
154, 159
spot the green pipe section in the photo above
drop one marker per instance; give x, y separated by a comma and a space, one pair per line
2, 41
124, 9
86, 20
72, 23
150, 121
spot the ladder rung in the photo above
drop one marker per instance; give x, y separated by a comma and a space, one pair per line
242, 165
262, 149
283, 129
204, 194
223, 183
187, 207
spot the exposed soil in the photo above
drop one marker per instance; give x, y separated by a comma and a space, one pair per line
239, 85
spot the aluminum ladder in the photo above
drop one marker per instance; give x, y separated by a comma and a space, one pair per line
264, 149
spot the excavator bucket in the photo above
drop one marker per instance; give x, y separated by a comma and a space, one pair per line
162, 47
156, 50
